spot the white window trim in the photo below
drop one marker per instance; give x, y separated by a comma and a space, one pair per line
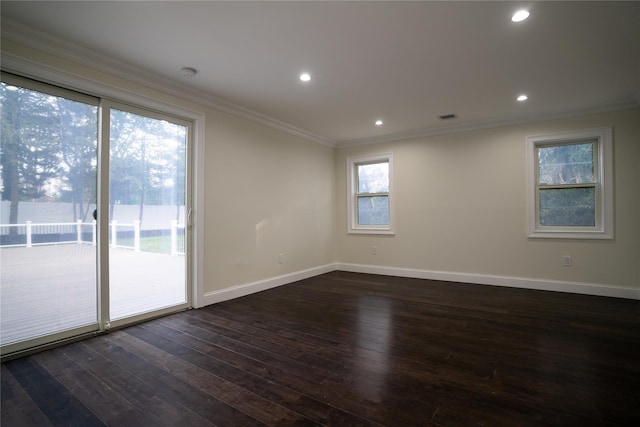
604, 188
352, 223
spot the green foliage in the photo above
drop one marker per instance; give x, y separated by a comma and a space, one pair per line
30, 141
561, 170
48, 152
566, 164
157, 244
572, 207
148, 161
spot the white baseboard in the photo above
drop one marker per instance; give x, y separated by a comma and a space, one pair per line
482, 279
263, 285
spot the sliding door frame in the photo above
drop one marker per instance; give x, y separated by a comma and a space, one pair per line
82, 330
106, 106
148, 100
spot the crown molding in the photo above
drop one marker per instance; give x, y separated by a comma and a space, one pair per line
625, 104
60, 48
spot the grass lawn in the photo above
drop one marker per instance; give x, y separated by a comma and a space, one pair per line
159, 244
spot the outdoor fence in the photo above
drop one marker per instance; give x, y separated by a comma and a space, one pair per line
121, 235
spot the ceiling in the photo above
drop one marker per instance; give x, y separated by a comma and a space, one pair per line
405, 63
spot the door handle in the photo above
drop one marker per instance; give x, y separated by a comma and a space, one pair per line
95, 214
189, 216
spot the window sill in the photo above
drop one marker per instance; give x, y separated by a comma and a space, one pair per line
376, 231
567, 234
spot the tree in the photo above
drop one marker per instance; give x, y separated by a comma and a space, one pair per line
147, 161
29, 146
128, 169
78, 123
180, 184
49, 148
567, 195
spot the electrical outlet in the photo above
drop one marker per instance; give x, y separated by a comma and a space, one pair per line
566, 261
281, 259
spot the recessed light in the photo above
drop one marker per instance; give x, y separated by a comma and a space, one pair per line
305, 77
379, 122
520, 15
522, 98
188, 72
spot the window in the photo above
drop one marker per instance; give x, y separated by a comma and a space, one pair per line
570, 185
370, 192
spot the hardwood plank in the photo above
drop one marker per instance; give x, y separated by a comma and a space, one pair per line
263, 410
351, 396
322, 358
149, 398
58, 404
278, 385
349, 349
18, 409
88, 388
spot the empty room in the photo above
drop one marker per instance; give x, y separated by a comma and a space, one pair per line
340, 213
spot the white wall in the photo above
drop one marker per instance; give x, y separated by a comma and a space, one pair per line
461, 208
460, 201
265, 192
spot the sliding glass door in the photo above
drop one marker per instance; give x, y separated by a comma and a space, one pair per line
94, 217
147, 215
48, 278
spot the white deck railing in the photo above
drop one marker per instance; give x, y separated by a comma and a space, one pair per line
74, 232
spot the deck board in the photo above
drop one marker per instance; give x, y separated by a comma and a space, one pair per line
47, 289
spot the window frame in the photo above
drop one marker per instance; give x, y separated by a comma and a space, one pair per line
603, 184
352, 195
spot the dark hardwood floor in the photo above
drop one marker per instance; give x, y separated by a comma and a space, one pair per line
346, 349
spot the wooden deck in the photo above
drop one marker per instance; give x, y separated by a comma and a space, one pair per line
46, 289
